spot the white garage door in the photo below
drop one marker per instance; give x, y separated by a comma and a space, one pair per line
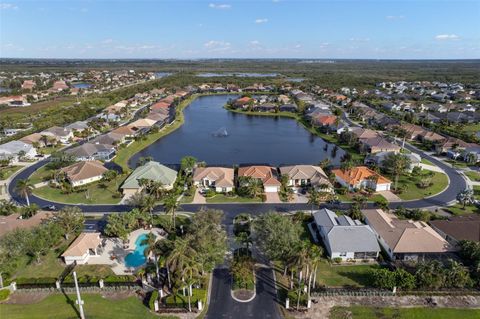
383, 187
271, 189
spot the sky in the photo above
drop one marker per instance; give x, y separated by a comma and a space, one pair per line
355, 29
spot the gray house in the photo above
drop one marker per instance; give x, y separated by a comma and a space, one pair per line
345, 238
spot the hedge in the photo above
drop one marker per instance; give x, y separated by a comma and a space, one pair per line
153, 297
35, 281
4, 293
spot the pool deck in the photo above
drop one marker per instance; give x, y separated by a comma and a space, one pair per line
114, 247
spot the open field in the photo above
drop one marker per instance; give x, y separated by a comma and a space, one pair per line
412, 191
359, 312
96, 306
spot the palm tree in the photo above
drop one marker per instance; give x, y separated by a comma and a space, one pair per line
157, 189
255, 187
313, 198
396, 164
7, 207
171, 205
25, 188
149, 242
190, 274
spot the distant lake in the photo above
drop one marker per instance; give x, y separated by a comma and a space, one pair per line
295, 79
251, 139
82, 85
159, 75
240, 75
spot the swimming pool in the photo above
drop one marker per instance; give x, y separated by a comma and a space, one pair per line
137, 257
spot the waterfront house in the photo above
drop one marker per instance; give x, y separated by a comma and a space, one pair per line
457, 228
265, 107
243, 102
221, 179
127, 131
153, 171
404, 239
82, 173
361, 177
378, 144
14, 150
109, 139
345, 238
267, 174
288, 107
84, 247
304, 176
324, 120
363, 133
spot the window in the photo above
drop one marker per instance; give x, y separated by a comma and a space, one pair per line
343, 254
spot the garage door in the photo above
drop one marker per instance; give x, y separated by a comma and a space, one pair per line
271, 189
383, 187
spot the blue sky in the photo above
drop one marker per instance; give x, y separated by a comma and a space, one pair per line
423, 29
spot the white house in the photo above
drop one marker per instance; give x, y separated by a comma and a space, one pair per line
82, 173
84, 247
218, 178
15, 149
361, 177
345, 238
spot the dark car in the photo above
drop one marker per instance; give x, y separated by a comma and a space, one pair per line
49, 207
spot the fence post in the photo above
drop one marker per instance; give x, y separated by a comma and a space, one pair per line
309, 303
101, 283
13, 286
57, 284
200, 305
155, 305
287, 303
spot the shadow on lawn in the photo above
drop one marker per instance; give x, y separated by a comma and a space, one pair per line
71, 302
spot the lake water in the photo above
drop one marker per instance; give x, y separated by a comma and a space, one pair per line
240, 75
159, 75
250, 140
82, 85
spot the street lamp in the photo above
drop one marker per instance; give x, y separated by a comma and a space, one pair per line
79, 298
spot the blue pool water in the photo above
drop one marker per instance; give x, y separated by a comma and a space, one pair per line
137, 257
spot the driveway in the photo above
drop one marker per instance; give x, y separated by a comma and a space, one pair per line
222, 305
391, 197
272, 197
198, 198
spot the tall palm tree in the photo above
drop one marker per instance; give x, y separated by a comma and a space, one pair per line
171, 205
397, 165
190, 274
157, 189
313, 198
150, 248
25, 188
255, 187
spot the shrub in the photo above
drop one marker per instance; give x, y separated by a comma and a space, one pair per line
119, 279
153, 297
337, 260
35, 281
4, 293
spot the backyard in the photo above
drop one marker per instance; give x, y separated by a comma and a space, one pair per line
360, 312
96, 306
344, 275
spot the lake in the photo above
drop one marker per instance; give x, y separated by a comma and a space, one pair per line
251, 139
240, 75
82, 85
159, 75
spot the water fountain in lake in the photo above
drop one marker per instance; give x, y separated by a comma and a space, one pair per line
221, 132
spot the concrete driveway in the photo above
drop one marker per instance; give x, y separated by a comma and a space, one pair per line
391, 197
272, 198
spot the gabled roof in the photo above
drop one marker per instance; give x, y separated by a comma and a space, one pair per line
222, 176
88, 149
358, 174
406, 236
152, 171
465, 227
265, 173
82, 244
381, 143
314, 173
84, 170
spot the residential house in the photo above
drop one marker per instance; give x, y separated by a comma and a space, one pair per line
324, 120
153, 171
243, 102
59, 86
379, 144
451, 143
84, 247
28, 85
304, 176
431, 137
361, 177
14, 150
345, 238
78, 126
457, 228
218, 178
127, 131
18, 101
82, 173
288, 108
109, 139
143, 123
267, 174
265, 107
406, 239
378, 159
35, 139
471, 153
413, 132
61, 134
363, 133
92, 151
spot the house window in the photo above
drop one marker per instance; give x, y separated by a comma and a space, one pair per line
343, 254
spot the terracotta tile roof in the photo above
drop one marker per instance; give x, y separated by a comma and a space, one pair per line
125, 130
325, 120
265, 173
243, 100
358, 174
362, 133
160, 105
222, 176
82, 244
84, 170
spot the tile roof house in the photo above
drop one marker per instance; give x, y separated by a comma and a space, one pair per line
92, 151
379, 144
363, 133
82, 173
28, 85
219, 178
242, 102
431, 137
362, 177
449, 143
127, 131
413, 131
378, 158
160, 105
457, 228
78, 126
345, 238
13, 150
324, 120
151, 171
143, 123
82, 249
406, 239
61, 134
267, 174
301, 176
35, 138
109, 139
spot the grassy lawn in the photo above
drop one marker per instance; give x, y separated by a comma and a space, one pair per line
96, 306
40, 175
425, 161
412, 191
474, 176
457, 164
348, 197
471, 128
360, 312
50, 149
182, 301
6, 172
94, 193
124, 154
220, 198
344, 275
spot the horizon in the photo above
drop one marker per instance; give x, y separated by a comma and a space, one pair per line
200, 30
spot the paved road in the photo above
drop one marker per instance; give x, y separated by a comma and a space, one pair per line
222, 305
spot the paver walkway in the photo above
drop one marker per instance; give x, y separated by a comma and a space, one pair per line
391, 197
272, 198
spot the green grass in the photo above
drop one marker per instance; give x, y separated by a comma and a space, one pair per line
344, 275
50, 149
471, 128
220, 198
124, 154
182, 301
6, 172
40, 175
52, 267
474, 176
425, 161
61, 307
412, 191
360, 312
95, 194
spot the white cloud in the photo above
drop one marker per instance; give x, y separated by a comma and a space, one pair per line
220, 6
360, 39
8, 6
447, 37
107, 41
216, 46
255, 42
391, 17
259, 21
